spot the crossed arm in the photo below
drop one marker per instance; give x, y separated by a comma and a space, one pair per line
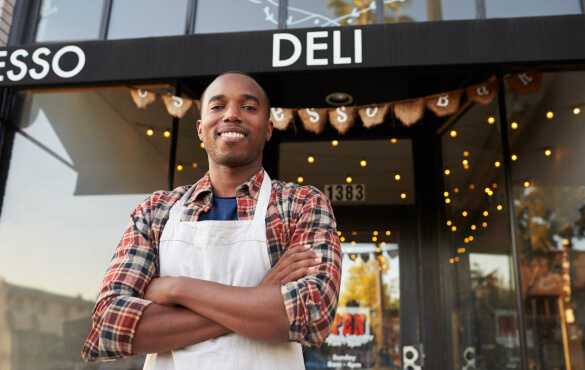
188, 311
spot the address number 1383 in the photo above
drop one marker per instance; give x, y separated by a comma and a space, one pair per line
345, 192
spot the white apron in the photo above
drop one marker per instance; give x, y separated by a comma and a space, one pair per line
231, 253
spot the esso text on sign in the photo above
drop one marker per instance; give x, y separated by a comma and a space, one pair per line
17, 67
316, 40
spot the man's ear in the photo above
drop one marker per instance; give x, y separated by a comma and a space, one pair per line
269, 128
199, 129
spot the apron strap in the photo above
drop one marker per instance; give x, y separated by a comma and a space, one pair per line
263, 199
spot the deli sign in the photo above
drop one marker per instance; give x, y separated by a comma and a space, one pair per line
64, 62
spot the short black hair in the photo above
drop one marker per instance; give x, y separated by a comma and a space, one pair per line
243, 74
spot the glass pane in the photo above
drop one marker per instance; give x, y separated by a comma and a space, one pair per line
81, 163
549, 194
249, 15
62, 20
146, 18
360, 172
366, 330
330, 13
530, 8
478, 255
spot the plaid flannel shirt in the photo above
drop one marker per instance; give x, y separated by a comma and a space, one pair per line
296, 215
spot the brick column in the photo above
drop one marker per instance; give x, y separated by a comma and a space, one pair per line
6, 12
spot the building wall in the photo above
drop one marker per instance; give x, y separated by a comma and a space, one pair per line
6, 12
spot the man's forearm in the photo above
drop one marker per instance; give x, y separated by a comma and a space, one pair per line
164, 328
255, 312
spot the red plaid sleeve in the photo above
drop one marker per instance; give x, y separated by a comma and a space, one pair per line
311, 302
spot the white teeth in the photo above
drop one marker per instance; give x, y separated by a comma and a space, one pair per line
232, 134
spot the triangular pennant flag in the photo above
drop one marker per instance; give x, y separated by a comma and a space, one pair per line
526, 82
197, 106
281, 117
313, 119
483, 93
142, 98
444, 104
409, 111
176, 106
373, 115
342, 118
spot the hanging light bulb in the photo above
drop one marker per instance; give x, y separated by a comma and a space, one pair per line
194, 164
547, 152
311, 159
514, 125
167, 133
335, 143
179, 167
453, 133
348, 179
363, 163
150, 132
491, 120
300, 179
202, 146
397, 176
550, 114
576, 110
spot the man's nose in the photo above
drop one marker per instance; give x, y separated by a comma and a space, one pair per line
232, 114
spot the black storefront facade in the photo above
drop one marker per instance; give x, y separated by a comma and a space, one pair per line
464, 253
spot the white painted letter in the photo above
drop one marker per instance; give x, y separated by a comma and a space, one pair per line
373, 114
178, 102
314, 116
337, 59
443, 101
482, 90
142, 93
80, 63
525, 78
277, 114
341, 116
17, 63
276, 38
3, 54
312, 46
36, 57
357, 41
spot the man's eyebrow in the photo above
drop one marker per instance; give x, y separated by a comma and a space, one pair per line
251, 97
215, 97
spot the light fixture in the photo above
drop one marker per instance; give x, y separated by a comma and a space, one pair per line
363, 163
453, 228
300, 179
194, 164
526, 184
484, 224
403, 195
465, 162
179, 167
202, 146
446, 194
397, 176
453, 133
447, 200
470, 238
464, 213
335, 143
167, 133
497, 164
449, 223
150, 132
550, 114
339, 99
393, 140
491, 120
499, 207
388, 233
514, 125
514, 157
473, 227
547, 152
339, 233
311, 159
374, 239
342, 239
576, 110
447, 171
485, 213
348, 179
466, 240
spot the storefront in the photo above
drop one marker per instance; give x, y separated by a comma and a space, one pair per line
461, 217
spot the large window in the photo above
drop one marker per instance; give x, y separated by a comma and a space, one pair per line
69, 20
325, 13
214, 16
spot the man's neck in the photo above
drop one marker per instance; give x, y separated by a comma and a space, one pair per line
225, 180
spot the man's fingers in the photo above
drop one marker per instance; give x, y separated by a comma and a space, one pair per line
298, 273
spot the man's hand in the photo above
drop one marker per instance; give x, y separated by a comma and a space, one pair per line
159, 289
293, 265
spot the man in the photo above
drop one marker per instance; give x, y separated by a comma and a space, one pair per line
248, 269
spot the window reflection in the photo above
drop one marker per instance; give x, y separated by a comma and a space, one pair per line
69, 20
330, 13
251, 15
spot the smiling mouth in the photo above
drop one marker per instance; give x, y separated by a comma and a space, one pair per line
231, 134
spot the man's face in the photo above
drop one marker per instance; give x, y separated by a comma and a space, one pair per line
234, 122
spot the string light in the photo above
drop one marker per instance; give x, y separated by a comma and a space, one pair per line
194, 165
491, 120
466, 240
550, 114
464, 213
484, 224
494, 185
403, 195
374, 239
342, 239
397, 176
335, 143
449, 223
576, 110
348, 179
473, 227
514, 125
470, 238
547, 152
447, 171
300, 179
471, 186
150, 132
446, 194
453, 133
339, 233
179, 167
375, 233
456, 259
526, 184
447, 200
202, 146
456, 190
465, 162
311, 159
453, 228
388, 233
363, 163
499, 207
485, 213
466, 154
167, 133
451, 260
514, 157
497, 164
393, 140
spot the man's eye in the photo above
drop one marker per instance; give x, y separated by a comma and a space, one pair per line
216, 107
250, 108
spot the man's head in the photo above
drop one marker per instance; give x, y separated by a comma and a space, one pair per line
235, 121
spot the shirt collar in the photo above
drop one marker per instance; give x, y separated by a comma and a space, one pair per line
204, 192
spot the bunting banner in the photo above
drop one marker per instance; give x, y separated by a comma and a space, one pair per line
373, 115
342, 118
281, 117
483, 93
177, 106
142, 98
313, 119
526, 82
444, 104
410, 111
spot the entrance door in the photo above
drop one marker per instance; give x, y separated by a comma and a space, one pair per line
376, 325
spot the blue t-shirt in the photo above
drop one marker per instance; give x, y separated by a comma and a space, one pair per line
222, 209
